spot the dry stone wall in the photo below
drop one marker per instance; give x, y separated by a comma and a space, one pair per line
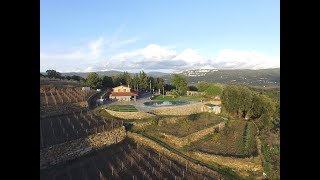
129, 115
147, 142
180, 142
180, 110
76, 148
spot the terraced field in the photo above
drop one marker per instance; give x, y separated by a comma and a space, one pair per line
189, 124
237, 139
125, 160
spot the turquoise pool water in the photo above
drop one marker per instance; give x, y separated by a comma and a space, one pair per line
165, 103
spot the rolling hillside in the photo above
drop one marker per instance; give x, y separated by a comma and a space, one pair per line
262, 77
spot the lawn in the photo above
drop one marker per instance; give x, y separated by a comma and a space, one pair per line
122, 108
189, 124
185, 98
237, 139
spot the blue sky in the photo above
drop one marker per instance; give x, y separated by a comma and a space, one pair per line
161, 35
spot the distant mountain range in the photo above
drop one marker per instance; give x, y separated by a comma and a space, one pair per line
261, 77
109, 73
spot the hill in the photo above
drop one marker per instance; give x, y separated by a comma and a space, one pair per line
262, 77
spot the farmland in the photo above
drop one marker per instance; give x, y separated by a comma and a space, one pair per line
123, 161
81, 143
189, 124
64, 116
235, 140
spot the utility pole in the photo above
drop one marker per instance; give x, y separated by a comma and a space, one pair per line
163, 92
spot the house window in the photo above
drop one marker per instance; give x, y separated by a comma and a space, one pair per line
119, 90
124, 90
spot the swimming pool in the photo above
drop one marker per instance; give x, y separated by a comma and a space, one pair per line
165, 103
211, 105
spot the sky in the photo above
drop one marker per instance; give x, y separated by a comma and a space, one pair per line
166, 35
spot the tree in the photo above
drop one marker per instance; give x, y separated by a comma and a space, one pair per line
76, 78
94, 81
126, 77
107, 82
83, 82
262, 106
169, 87
202, 86
181, 84
143, 80
53, 74
176, 80
159, 83
41, 75
136, 82
213, 90
192, 88
237, 99
174, 92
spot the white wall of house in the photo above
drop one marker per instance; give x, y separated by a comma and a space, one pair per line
121, 98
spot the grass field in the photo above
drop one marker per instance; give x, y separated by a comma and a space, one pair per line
237, 139
122, 108
189, 124
185, 98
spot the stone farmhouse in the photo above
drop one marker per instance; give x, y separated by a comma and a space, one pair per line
123, 93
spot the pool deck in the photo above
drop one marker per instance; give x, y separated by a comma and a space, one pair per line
139, 103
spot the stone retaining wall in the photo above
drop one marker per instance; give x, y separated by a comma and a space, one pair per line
180, 110
147, 142
76, 148
241, 165
180, 142
129, 115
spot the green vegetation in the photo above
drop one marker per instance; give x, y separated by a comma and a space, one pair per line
209, 88
271, 153
250, 146
246, 103
138, 82
260, 78
228, 173
94, 81
213, 90
122, 108
189, 124
202, 86
181, 84
53, 74
186, 98
234, 140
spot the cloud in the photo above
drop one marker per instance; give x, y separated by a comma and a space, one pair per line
235, 59
95, 47
82, 57
95, 57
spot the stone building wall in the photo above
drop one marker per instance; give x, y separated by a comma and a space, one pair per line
76, 148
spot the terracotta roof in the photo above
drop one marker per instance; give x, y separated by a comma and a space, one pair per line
124, 94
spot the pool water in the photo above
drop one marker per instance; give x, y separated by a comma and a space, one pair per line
211, 105
165, 103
